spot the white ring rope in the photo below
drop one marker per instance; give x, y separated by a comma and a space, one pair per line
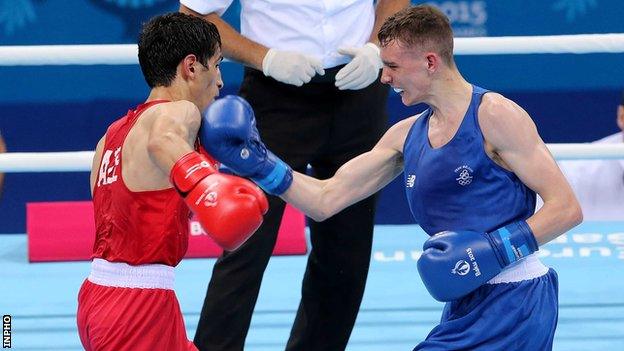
80, 161
74, 161
587, 151
547, 44
40, 55
126, 54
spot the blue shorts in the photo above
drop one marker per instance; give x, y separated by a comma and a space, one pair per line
507, 316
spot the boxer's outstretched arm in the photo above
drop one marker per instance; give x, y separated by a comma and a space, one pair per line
357, 179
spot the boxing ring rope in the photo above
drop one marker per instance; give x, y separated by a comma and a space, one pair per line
126, 54
80, 161
75, 161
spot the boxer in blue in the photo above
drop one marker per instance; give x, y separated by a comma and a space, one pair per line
473, 162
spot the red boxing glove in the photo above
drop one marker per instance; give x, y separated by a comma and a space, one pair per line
229, 208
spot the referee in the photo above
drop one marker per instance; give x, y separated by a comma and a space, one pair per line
311, 76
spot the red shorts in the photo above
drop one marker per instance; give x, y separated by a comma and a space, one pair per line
129, 318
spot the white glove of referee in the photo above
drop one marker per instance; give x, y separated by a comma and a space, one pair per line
363, 68
291, 67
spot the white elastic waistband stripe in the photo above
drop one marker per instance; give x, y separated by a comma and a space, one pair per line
527, 268
123, 275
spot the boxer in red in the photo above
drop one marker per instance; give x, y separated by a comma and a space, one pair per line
147, 173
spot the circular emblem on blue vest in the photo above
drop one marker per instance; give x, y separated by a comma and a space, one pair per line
464, 175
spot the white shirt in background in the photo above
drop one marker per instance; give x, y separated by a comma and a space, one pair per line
598, 184
313, 27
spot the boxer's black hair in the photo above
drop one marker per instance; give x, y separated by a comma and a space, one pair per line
166, 40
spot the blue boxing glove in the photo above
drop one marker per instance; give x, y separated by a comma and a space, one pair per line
228, 132
454, 263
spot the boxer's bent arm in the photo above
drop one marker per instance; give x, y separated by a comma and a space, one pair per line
357, 179
172, 133
513, 136
234, 46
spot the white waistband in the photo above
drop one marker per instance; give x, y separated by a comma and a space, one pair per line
527, 268
123, 275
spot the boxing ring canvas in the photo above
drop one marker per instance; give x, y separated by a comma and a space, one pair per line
396, 313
